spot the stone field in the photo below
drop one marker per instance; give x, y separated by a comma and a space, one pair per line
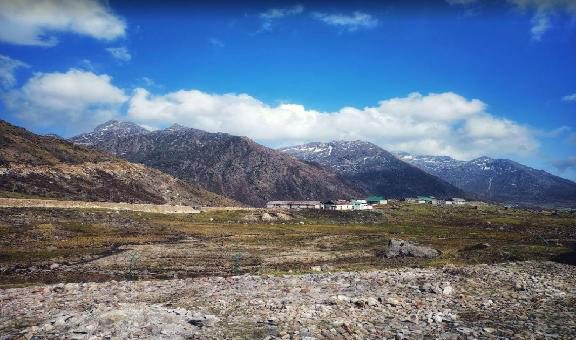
525, 300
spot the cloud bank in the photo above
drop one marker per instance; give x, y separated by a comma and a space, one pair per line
69, 100
35, 22
436, 123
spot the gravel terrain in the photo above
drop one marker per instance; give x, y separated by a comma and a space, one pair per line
524, 300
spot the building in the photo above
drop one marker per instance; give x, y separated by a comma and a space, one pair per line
376, 200
458, 201
361, 205
427, 200
294, 205
411, 200
338, 205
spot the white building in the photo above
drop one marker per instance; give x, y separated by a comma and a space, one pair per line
376, 200
361, 205
338, 205
458, 201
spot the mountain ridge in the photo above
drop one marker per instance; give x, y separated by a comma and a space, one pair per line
501, 180
50, 167
374, 169
233, 166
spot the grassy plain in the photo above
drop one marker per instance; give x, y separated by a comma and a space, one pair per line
72, 245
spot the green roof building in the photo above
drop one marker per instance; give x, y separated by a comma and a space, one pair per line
376, 200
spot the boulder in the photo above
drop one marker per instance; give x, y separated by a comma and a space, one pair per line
401, 248
267, 217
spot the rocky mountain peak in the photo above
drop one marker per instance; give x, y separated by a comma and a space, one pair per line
176, 127
499, 179
372, 168
119, 125
109, 130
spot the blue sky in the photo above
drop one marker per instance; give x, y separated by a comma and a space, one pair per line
461, 77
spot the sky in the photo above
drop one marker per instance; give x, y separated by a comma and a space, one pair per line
463, 78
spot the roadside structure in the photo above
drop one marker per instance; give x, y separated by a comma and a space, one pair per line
361, 205
458, 201
427, 200
376, 200
338, 205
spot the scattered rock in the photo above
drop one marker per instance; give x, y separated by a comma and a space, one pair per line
400, 248
520, 285
392, 301
412, 303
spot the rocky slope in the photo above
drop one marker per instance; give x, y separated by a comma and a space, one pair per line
51, 167
233, 166
373, 169
109, 130
499, 179
532, 300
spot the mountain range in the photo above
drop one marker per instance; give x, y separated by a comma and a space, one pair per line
239, 168
50, 167
233, 166
500, 180
374, 169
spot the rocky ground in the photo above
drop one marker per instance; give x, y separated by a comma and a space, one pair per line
524, 300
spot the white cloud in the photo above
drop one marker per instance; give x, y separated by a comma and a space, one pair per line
86, 64
558, 132
439, 124
542, 12
546, 5
436, 123
34, 22
351, 22
570, 98
540, 25
71, 100
120, 53
277, 13
8, 67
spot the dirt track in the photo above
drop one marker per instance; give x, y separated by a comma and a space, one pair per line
153, 208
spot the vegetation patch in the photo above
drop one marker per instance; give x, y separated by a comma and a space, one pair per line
220, 242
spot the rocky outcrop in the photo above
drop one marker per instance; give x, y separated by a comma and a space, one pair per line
400, 248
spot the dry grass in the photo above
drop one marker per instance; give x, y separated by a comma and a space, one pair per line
216, 242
